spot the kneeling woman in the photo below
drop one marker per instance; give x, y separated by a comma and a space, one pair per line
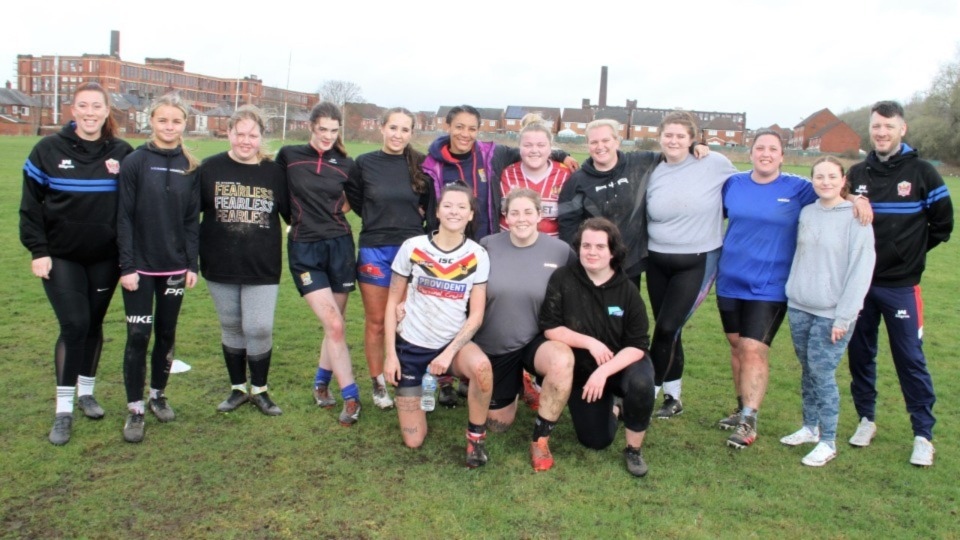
594, 308
521, 262
438, 277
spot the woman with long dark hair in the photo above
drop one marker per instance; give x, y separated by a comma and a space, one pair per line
389, 191
320, 248
68, 222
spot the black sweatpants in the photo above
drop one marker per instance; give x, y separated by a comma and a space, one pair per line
80, 295
595, 424
141, 320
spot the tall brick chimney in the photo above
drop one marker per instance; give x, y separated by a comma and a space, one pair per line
115, 43
603, 87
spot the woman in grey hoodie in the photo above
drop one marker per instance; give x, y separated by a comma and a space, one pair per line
831, 272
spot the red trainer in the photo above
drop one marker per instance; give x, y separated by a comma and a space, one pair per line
531, 394
540, 455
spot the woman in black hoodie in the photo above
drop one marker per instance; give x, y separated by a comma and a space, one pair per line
593, 308
157, 234
68, 222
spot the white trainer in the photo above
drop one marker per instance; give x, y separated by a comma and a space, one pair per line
922, 452
802, 436
381, 398
820, 456
865, 433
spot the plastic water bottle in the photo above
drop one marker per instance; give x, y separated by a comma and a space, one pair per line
428, 401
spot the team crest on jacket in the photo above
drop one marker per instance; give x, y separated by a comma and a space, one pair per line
903, 189
113, 166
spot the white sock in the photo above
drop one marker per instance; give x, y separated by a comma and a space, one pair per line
240, 387
672, 388
136, 407
380, 380
85, 385
65, 399
656, 392
154, 393
257, 389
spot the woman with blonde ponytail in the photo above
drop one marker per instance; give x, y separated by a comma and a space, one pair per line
157, 236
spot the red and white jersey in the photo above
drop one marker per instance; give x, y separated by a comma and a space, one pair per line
548, 188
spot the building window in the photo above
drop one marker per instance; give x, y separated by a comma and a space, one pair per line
653, 129
711, 132
730, 133
511, 122
582, 125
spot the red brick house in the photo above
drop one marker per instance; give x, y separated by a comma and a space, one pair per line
645, 125
19, 113
836, 138
621, 115
576, 120
722, 131
491, 120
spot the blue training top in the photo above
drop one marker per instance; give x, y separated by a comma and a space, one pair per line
761, 235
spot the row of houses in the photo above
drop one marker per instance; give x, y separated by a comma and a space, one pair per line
637, 124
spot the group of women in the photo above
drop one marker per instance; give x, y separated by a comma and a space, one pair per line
488, 294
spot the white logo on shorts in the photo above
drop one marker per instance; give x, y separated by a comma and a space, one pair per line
305, 279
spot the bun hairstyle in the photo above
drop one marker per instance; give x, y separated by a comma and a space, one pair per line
532, 123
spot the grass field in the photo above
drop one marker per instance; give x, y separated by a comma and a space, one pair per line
301, 475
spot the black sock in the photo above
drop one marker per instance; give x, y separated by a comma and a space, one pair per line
542, 428
234, 359
476, 429
259, 368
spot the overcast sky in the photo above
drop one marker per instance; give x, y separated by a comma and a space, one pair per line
776, 61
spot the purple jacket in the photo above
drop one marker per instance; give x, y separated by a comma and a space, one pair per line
489, 222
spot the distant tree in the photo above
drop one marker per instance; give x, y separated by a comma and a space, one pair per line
341, 92
859, 121
936, 131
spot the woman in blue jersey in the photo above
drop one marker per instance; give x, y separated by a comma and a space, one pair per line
68, 215
389, 191
763, 208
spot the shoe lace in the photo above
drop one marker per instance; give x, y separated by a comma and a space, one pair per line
61, 422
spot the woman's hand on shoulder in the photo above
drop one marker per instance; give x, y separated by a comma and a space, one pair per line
701, 151
571, 163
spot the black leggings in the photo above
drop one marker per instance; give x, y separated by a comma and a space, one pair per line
80, 295
595, 424
677, 284
141, 319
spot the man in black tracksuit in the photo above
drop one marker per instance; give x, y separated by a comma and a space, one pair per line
912, 215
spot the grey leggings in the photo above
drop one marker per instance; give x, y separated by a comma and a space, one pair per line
246, 315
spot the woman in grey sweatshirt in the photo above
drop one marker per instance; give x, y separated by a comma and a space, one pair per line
831, 272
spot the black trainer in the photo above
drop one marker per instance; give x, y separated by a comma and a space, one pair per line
265, 404
133, 428
91, 409
448, 396
671, 407
633, 457
234, 400
161, 409
60, 432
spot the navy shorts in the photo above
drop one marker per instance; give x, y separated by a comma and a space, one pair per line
324, 264
373, 265
413, 364
754, 319
508, 372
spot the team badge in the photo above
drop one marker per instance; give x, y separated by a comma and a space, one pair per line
903, 189
65, 164
113, 166
305, 279
371, 270
483, 175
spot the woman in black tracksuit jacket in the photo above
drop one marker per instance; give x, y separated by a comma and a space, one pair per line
158, 236
68, 222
